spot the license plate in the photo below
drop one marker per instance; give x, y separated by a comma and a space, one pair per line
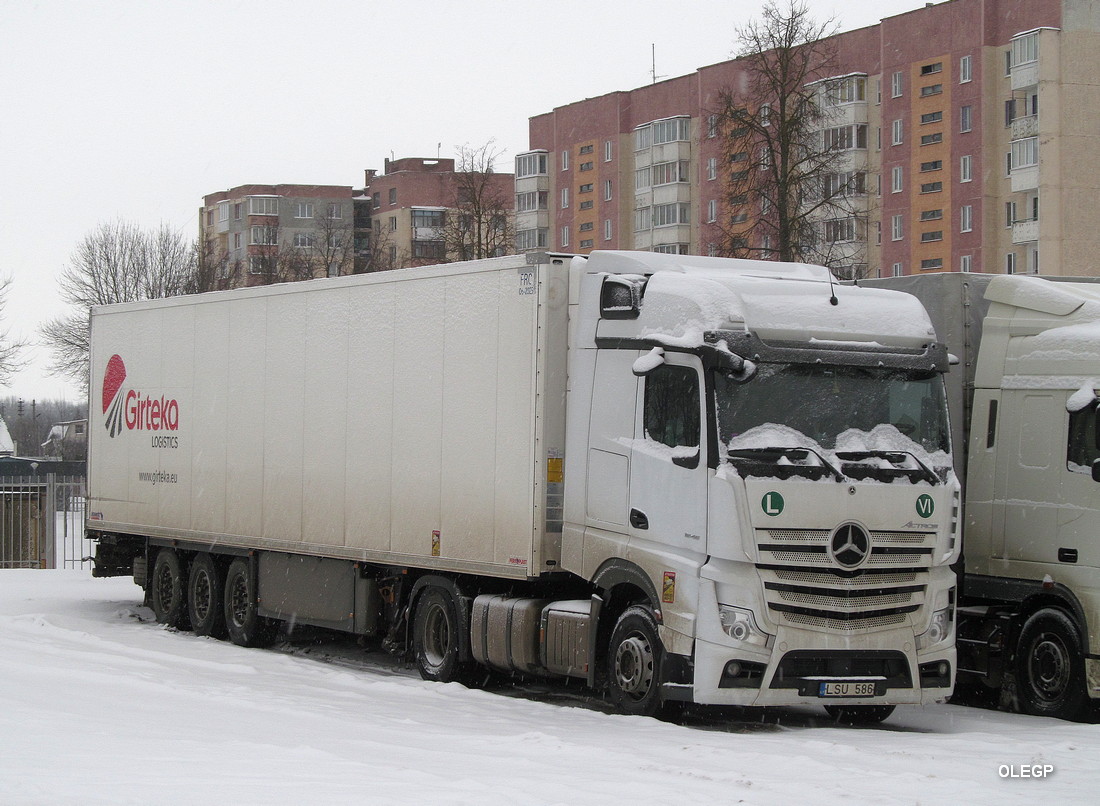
846, 689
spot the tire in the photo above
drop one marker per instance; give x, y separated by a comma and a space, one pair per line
168, 590
1050, 675
859, 714
246, 627
437, 632
634, 656
206, 597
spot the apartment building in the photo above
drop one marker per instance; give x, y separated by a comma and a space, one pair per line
260, 234
968, 134
423, 211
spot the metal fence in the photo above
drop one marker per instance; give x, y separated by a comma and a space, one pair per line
42, 522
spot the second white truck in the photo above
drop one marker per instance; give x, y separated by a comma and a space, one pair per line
677, 478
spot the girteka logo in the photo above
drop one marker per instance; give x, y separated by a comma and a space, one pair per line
130, 409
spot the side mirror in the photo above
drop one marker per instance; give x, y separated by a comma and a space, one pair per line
1096, 469
620, 298
649, 362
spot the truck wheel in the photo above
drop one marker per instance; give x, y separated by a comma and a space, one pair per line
205, 597
859, 714
246, 627
634, 663
168, 590
436, 636
1049, 667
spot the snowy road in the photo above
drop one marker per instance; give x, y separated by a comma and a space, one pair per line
98, 704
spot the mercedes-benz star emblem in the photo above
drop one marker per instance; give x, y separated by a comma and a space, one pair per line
850, 545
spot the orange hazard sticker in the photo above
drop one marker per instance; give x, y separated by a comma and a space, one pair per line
668, 587
435, 542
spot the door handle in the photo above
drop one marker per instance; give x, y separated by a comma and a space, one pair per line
638, 519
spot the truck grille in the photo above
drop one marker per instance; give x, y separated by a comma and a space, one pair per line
805, 587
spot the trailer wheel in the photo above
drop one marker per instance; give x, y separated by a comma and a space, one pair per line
245, 625
205, 597
634, 658
436, 636
1049, 667
168, 592
859, 714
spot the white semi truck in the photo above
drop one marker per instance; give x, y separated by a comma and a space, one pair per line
677, 478
1023, 400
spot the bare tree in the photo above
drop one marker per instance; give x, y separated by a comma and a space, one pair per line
480, 221
791, 189
11, 349
117, 262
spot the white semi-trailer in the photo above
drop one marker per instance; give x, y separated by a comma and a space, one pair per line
678, 478
1023, 400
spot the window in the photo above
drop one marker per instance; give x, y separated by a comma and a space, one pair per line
1025, 152
607, 229
841, 230
585, 150
303, 240
897, 270
931, 215
845, 90
896, 179
712, 126
930, 139
966, 169
1082, 448
928, 69
393, 223
531, 201
896, 85
932, 263
565, 236
739, 156
263, 205
739, 176
608, 151
393, 195
897, 228
643, 138
928, 237
965, 119
377, 200
238, 208
264, 236
965, 263
565, 160
586, 204
739, 218
429, 250
533, 164
1025, 49
933, 165
643, 218
668, 214
712, 168
257, 264
671, 408
1010, 213
335, 211
564, 198
712, 211
965, 71
765, 115
586, 166
850, 183
586, 188
1010, 263
587, 243
931, 117
670, 131
642, 178
931, 89
897, 131
607, 188
530, 239
427, 218
303, 210
966, 218
223, 211
843, 138
335, 241
931, 187
666, 173
586, 226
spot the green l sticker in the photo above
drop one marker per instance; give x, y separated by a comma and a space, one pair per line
772, 503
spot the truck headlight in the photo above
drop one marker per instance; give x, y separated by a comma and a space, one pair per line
939, 630
741, 626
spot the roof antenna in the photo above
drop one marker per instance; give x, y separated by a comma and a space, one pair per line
832, 294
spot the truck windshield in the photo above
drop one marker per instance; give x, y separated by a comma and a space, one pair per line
835, 417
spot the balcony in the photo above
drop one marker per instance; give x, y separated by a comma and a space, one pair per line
1026, 231
1025, 75
1027, 126
1025, 178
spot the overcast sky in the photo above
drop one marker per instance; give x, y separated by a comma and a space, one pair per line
135, 110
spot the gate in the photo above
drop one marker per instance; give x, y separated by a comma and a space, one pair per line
42, 522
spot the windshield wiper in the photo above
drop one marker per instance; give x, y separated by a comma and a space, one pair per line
785, 462
853, 464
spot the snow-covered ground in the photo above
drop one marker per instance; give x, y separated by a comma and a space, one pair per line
99, 704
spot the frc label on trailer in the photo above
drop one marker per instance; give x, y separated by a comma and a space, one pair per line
130, 409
